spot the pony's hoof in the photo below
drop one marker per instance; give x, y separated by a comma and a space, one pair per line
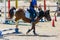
36, 34
28, 31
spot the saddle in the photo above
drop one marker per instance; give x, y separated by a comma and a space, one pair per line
28, 10
33, 13
28, 14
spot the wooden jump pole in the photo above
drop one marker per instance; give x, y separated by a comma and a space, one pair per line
44, 5
8, 8
16, 3
5, 9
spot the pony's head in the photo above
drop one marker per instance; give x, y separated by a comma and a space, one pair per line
45, 14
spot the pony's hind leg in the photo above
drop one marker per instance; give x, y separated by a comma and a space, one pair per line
16, 23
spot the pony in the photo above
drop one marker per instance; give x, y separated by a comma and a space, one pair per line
20, 14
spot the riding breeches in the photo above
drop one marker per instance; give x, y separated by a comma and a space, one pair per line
32, 15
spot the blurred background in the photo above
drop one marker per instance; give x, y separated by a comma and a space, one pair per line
50, 4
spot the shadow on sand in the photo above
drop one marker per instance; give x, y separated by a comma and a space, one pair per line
21, 34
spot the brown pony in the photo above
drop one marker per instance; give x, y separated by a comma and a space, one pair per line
20, 14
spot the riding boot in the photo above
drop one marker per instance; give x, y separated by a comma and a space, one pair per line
28, 31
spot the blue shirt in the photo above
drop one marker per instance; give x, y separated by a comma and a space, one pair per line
34, 2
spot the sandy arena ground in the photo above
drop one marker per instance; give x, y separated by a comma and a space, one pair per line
44, 29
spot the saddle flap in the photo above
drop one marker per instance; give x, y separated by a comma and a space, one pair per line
27, 14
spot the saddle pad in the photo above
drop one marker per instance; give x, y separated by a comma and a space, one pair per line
27, 14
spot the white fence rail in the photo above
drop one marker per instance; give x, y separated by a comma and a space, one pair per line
51, 8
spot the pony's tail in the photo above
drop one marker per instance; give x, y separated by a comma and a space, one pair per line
11, 14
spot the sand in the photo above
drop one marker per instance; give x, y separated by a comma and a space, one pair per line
44, 29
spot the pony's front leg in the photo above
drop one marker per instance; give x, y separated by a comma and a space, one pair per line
29, 29
33, 27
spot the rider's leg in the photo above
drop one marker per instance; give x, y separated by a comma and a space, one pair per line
35, 14
32, 20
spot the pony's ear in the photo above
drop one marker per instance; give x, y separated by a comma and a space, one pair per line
41, 13
48, 11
